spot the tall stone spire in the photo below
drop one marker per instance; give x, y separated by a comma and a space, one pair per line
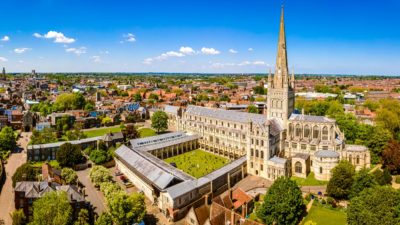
281, 70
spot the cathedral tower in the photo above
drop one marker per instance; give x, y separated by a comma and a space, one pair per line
280, 101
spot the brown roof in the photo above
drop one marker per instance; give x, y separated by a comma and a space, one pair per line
202, 214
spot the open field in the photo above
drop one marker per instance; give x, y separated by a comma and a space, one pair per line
321, 215
309, 181
101, 131
146, 132
198, 163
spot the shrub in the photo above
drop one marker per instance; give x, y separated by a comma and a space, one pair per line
397, 180
99, 174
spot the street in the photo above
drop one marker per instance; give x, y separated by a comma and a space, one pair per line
7, 194
94, 196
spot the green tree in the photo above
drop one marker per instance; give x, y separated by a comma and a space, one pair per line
69, 155
109, 188
137, 97
25, 172
90, 106
69, 175
130, 132
47, 135
377, 205
127, 209
153, 96
252, 109
362, 180
159, 121
18, 217
377, 142
76, 133
391, 156
100, 156
340, 184
7, 139
258, 90
106, 120
83, 218
104, 219
283, 203
53, 208
99, 174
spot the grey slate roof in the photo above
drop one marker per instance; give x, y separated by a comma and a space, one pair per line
145, 167
301, 156
234, 116
34, 189
161, 141
309, 118
326, 154
58, 144
171, 109
278, 160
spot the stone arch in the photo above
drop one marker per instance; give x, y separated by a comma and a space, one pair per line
298, 167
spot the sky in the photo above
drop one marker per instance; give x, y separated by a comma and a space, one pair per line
207, 36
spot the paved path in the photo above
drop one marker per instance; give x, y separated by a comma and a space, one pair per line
7, 193
314, 189
94, 196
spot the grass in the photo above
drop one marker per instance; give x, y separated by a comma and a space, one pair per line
309, 181
146, 132
53, 163
198, 163
101, 131
322, 215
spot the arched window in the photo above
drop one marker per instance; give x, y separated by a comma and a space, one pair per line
315, 132
252, 152
306, 131
298, 167
298, 130
291, 130
325, 133
262, 154
350, 159
358, 160
256, 153
320, 170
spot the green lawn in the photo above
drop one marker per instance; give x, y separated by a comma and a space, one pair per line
309, 181
53, 163
324, 216
146, 132
198, 163
101, 131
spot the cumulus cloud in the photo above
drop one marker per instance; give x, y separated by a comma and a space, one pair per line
2, 59
218, 65
58, 37
21, 50
96, 58
186, 50
233, 51
250, 49
129, 37
76, 51
148, 61
209, 51
5, 38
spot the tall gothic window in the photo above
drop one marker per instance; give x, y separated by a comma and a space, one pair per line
315, 132
325, 133
298, 168
306, 131
298, 130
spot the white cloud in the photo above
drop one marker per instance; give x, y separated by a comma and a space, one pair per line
96, 58
148, 61
21, 50
209, 51
233, 51
57, 36
5, 38
218, 65
261, 63
76, 51
2, 59
250, 49
187, 50
129, 37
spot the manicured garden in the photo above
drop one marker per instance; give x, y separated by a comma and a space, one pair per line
146, 132
320, 214
101, 131
309, 181
198, 163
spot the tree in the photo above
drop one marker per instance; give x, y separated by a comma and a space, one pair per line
252, 109
83, 218
153, 96
377, 142
159, 121
109, 188
99, 174
69, 175
53, 208
63, 124
18, 217
340, 184
69, 155
100, 156
258, 90
382, 177
130, 132
377, 205
137, 97
90, 106
7, 139
391, 156
76, 133
47, 135
283, 203
25, 172
106, 120
362, 180
104, 219
127, 209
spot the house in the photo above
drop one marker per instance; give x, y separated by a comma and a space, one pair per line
198, 216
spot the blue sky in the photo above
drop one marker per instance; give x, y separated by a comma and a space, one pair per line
324, 36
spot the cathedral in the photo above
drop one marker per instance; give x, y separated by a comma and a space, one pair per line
281, 143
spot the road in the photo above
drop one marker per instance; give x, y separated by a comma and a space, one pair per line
95, 197
7, 193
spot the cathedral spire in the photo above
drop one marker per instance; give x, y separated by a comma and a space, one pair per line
281, 59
